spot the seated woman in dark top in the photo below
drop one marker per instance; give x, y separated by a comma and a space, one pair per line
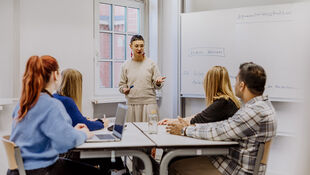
70, 94
220, 100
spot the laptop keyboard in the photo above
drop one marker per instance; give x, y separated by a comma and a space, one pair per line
105, 136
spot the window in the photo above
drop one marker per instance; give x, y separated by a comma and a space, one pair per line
115, 23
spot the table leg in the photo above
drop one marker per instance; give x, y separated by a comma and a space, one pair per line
101, 154
189, 152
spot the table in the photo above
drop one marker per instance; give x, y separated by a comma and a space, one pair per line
183, 146
136, 141
133, 143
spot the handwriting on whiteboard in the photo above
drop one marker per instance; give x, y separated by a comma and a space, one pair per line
270, 13
207, 51
197, 78
265, 16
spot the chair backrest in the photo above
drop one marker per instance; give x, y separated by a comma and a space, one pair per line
266, 153
15, 160
262, 155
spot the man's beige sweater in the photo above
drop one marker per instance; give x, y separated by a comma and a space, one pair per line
142, 75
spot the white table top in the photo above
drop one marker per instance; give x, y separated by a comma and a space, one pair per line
132, 138
164, 139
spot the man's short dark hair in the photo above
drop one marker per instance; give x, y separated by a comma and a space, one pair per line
253, 76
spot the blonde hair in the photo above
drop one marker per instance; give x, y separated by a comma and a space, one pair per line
217, 85
71, 86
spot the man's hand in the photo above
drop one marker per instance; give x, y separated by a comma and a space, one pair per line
183, 122
175, 128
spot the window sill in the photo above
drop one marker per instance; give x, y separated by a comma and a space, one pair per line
6, 101
114, 99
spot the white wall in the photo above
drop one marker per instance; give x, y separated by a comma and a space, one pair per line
6, 48
8, 70
302, 145
64, 30
168, 55
153, 29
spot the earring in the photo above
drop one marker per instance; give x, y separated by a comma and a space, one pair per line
131, 54
143, 54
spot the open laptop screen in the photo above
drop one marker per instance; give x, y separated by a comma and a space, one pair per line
120, 120
118, 129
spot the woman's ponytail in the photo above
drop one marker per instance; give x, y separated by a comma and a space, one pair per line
36, 76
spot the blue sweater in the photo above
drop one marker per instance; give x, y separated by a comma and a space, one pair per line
76, 115
45, 132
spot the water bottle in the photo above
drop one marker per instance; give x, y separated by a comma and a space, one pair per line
152, 123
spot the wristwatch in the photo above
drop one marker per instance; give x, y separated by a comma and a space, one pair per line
183, 131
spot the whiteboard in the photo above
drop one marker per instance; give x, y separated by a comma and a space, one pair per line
275, 37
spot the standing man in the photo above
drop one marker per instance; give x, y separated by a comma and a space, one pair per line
253, 123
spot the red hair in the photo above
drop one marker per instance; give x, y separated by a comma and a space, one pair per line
37, 75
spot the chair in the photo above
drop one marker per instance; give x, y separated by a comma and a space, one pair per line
262, 155
15, 160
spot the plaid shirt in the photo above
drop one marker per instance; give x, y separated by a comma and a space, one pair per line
253, 123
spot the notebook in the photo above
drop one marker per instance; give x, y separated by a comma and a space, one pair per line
118, 128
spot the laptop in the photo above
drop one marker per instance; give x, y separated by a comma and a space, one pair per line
118, 128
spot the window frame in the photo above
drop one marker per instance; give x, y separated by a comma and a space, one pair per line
113, 94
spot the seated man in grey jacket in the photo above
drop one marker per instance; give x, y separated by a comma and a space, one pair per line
253, 123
